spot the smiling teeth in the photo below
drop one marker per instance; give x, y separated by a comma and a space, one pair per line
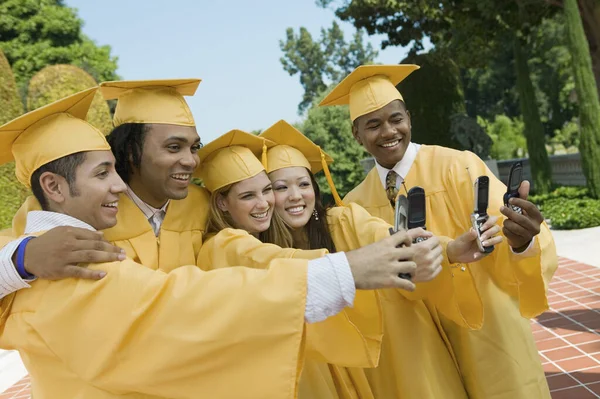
388, 145
296, 209
181, 176
259, 215
111, 205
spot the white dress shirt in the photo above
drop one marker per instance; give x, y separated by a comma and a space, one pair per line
154, 215
330, 284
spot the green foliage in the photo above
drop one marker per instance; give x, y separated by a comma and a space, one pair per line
331, 128
589, 104
569, 208
507, 137
10, 103
37, 33
12, 193
433, 94
324, 61
470, 136
566, 139
58, 81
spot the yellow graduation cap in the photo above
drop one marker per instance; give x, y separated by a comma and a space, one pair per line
295, 149
369, 88
49, 133
151, 101
231, 158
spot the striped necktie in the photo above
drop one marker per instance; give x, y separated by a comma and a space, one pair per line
390, 186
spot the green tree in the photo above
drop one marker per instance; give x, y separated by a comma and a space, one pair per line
37, 33
471, 31
331, 128
589, 104
58, 81
507, 137
322, 62
433, 94
12, 193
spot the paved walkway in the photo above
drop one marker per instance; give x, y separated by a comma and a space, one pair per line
567, 335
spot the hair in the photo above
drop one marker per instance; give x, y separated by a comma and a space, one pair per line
65, 167
127, 142
277, 233
317, 231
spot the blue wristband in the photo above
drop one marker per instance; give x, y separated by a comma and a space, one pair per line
21, 260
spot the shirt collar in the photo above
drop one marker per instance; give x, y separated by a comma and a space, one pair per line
401, 167
148, 210
44, 220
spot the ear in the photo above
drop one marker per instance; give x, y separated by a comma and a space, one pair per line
221, 203
55, 187
355, 133
409, 119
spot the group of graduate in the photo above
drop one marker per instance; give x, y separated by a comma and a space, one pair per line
121, 278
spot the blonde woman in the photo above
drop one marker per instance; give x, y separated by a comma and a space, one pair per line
241, 211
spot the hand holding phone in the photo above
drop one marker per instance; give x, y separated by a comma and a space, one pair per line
515, 178
480, 216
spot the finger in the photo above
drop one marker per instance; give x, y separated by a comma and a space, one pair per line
83, 273
491, 222
436, 252
492, 241
400, 238
403, 284
93, 256
85, 234
529, 207
408, 267
419, 232
96, 245
524, 189
522, 220
490, 233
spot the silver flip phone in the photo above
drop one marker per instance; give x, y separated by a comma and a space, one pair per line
480, 216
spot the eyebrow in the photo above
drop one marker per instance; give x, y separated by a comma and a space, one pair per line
374, 120
105, 163
181, 139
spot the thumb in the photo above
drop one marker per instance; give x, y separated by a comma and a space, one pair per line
468, 237
524, 189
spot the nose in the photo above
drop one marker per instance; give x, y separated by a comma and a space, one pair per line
388, 130
118, 186
294, 194
263, 203
190, 160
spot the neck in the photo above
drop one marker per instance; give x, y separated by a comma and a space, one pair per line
300, 238
140, 190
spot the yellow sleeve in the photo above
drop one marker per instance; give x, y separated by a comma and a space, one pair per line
351, 338
233, 247
453, 293
523, 276
227, 333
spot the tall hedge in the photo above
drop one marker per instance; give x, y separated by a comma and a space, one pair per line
57, 81
12, 193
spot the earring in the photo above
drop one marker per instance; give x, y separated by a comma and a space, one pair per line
315, 214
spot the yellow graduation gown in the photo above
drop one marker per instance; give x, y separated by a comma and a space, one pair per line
180, 236
351, 338
413, 354
137, 333
500, 360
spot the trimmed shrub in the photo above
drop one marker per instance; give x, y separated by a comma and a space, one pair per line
57, 81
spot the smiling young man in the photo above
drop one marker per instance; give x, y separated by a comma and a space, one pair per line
499, 361
140, 332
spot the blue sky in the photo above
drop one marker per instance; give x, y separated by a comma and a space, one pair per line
233, 46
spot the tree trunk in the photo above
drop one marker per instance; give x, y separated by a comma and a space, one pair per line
587, 96
590, 16
534, 130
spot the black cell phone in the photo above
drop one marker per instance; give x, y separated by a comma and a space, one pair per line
480, 216
515, 178
416, 210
